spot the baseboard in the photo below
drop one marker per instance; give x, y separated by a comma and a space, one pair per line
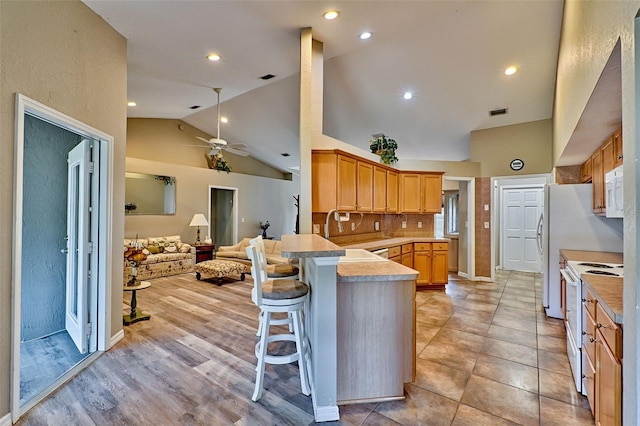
485, 279
463, 275
115, 339
6, 420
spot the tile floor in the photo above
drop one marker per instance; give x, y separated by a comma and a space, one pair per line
487, 355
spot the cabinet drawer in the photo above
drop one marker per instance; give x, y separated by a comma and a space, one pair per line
407, 248
589, 303
395, 251
440, 246
397, 259
610, 332
589, 335
589, 381
422, 246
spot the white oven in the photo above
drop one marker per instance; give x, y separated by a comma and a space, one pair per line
573, 322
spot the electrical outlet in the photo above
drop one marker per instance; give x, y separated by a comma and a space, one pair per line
316, 228
419, 224
486, 225
404, 224
242, 220
486, 207
353, 226
376, 226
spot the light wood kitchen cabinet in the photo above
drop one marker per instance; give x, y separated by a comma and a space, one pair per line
608, 159
597, 182
392, 191
407, 255
420, 192
585, 171
617, 147
431, 260
602, 366
364, 192
379, 189
395, 254
347, 183
333, 182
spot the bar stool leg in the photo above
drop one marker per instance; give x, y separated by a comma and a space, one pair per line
301, 348
262, 351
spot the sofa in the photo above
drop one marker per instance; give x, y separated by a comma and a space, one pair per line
238, 252
166, 256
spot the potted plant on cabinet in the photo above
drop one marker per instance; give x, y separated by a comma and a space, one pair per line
385, 147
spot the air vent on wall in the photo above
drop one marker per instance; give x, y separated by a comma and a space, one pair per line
194, 107
285, 154
267, 76
500, 111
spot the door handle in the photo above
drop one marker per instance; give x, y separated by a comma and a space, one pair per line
64, 250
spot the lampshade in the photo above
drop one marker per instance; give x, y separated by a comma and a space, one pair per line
199, 220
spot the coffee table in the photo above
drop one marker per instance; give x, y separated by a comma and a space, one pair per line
220, 269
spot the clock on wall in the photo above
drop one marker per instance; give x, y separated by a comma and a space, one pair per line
516, 164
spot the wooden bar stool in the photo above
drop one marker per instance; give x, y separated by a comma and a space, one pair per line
272, 296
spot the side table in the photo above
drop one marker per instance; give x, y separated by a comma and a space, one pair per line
135, 315
204, 252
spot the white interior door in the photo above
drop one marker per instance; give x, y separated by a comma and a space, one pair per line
521, 208
78, 245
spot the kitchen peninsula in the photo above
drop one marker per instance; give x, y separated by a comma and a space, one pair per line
361, 324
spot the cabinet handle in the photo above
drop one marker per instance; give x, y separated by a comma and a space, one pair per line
620, 157
601, 326
592, 340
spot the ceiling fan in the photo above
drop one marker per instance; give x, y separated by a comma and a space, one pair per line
217, 145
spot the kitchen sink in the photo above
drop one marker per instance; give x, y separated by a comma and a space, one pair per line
360, 255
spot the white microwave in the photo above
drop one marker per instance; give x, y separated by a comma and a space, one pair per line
613, 182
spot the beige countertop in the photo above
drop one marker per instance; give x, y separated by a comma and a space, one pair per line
391, 242
308, 245
608, 290
375, 271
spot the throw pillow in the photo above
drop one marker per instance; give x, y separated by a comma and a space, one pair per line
170, 249
184, 248
154, 249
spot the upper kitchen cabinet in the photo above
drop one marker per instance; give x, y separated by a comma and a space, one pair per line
598, 182
617, 147
333, 182
608, 159
420, 192
379, 189
364, 191
392, 192
585, 171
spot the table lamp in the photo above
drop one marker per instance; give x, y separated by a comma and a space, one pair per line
198, 220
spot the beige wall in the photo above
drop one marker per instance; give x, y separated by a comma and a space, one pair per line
495, 148
62, 55
162, 140
590, 32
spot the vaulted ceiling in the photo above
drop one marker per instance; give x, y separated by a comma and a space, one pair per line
450, 54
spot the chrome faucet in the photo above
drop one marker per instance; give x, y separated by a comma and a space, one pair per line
336, 216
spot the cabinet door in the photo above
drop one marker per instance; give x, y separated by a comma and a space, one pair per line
323, 181
407, 260
617, 147
608, 159
364, 193
410, 188
598, 182
585, 171
347, 183
392, 192
440, 267
431, 193
608, 385
422, 264
379, 189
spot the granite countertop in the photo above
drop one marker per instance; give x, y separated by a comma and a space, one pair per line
375, 271
608, 290
395, 241
308, 245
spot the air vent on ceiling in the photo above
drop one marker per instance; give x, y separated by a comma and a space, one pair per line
285, 154
194, 107
267, 77
501, 111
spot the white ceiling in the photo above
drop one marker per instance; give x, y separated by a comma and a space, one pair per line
450, 54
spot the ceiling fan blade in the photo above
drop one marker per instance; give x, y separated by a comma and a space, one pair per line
239, 146
237, 151
203, 139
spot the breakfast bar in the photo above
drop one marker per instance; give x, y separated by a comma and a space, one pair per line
360, 323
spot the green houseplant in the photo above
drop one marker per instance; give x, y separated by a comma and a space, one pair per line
385, 147
216, 162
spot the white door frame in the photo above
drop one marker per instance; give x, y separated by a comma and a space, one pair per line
470, 225
235, 210
103, 261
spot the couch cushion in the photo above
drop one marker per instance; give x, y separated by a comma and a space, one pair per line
155, 248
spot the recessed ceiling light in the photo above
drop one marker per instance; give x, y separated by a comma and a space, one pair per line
224, 120
331, 14
511, 70
407, 95
213, 57
131, 103
365, 35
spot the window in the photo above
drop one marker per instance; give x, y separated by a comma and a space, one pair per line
451, 213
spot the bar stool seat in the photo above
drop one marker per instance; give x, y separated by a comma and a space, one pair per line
273, 296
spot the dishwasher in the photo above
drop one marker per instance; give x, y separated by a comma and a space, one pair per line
384, 252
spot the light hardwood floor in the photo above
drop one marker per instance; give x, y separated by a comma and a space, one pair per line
486, 355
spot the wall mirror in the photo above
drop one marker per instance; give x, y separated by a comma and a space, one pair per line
149, 194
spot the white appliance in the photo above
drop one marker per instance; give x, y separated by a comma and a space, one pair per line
568, 222
613, 182
575, 321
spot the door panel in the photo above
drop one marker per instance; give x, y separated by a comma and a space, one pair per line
78, 233
521, 208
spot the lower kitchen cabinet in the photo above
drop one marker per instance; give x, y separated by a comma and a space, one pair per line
602, 366
431, 260
407, 255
